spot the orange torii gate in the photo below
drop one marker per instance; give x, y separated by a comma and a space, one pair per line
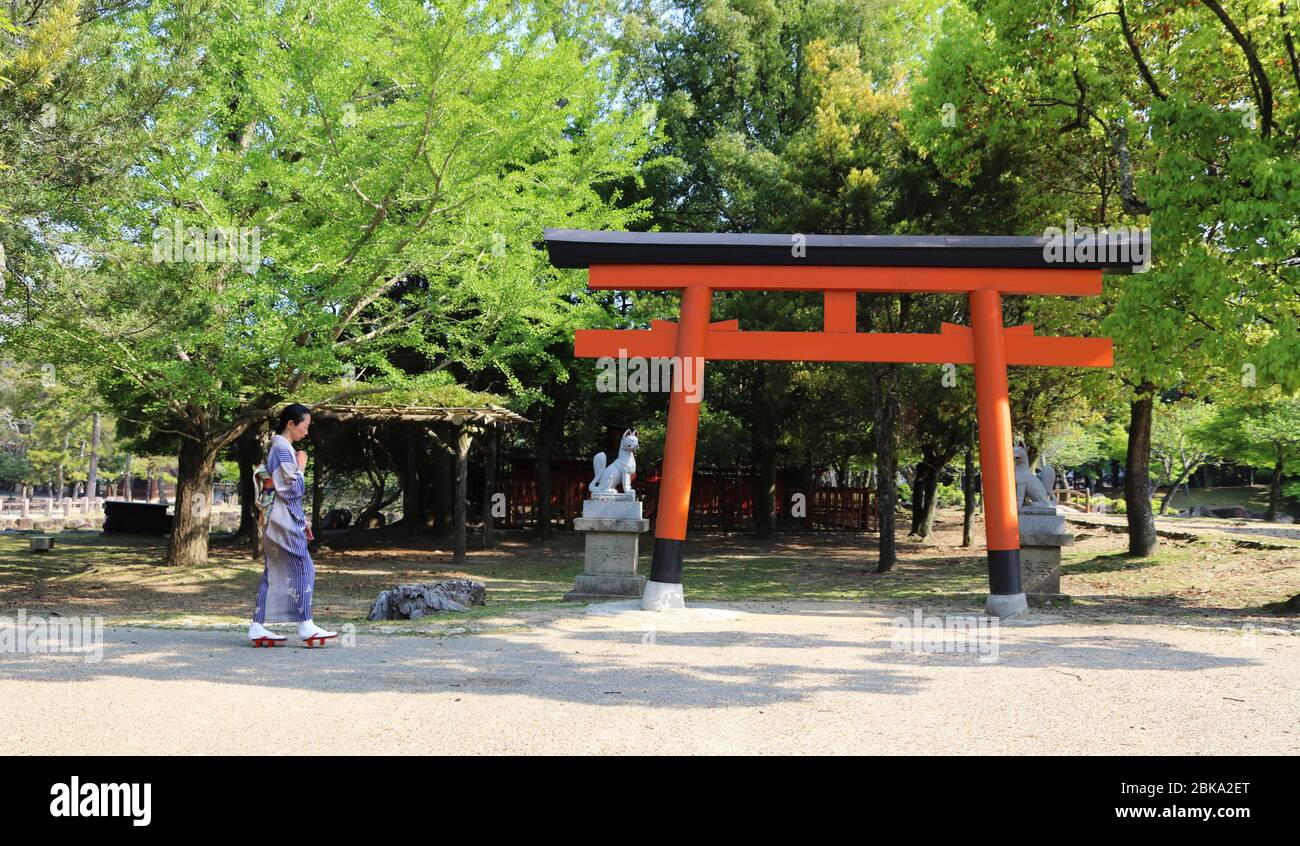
982, 268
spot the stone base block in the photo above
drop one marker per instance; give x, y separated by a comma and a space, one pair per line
597, 525
1042, 534
612, 505
1036, 521
589, 586
612, 525
611, 553
1040, 569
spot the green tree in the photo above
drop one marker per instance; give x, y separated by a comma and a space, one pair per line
79, 84
1261, 433
778, 117
1185, 115
1178, 443
348, 186
48, 427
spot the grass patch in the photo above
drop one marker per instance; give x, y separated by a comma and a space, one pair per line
1253, 497
120, 578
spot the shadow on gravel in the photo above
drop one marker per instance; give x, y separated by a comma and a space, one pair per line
660, 669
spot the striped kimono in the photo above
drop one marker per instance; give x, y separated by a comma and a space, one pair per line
285, 593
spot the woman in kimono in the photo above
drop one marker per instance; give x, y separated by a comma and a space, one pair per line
287, 580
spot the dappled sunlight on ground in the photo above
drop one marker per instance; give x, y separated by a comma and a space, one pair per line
1189, 576
756, 677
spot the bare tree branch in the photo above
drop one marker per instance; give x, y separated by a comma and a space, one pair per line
1258, 79
1137, 55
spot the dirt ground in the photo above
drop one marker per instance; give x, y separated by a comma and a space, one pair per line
790, 646
735, 678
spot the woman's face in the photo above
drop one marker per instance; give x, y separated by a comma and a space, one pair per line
297, 431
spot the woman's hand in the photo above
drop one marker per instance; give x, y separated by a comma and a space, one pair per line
302, 460
310, 536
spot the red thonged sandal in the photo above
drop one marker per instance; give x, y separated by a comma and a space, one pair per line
314, 635
260, 635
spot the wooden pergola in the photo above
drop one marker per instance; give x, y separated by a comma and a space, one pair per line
454, 428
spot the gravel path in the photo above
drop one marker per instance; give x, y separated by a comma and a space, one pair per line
1197, 526
747, 678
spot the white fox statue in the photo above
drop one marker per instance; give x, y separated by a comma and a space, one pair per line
618, 474
1030, 486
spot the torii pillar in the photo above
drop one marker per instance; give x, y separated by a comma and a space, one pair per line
663, 589
997, 464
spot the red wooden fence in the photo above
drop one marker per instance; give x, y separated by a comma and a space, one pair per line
720, 500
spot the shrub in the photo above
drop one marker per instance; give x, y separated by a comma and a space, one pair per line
948, 496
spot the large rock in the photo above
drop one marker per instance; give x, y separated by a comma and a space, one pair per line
411, 602
375, 521
336, 518
1231, 512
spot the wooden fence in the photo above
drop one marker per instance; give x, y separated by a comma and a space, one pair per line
720, 500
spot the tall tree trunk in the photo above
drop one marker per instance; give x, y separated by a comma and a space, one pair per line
886, 464
968, 498
376, 461
195, 468
1274, 491
63, 487
126, 479
92, 473
464, 439
412, 495
1137, 477
1173, 489
489, 484
764, 482
926, 528
544, 483
1114, 473
247, 451
925, 490
918, 495
549, 429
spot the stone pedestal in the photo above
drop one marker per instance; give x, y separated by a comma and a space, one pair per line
1042, 534
612, 525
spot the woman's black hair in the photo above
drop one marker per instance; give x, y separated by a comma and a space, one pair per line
294, 412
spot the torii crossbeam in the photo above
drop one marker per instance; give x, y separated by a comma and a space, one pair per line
982, 268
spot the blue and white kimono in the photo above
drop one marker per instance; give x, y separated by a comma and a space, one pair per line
285, 593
